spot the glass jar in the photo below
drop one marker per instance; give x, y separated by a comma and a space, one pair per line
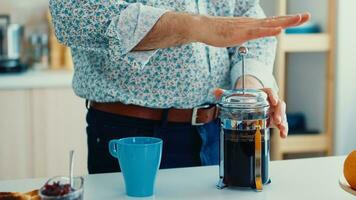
76, 194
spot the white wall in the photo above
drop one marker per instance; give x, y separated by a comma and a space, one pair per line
346, 84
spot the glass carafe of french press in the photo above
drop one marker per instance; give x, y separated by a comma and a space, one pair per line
244, 138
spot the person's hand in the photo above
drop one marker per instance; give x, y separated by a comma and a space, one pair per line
178, 28
277, 107
278, 117
232, 31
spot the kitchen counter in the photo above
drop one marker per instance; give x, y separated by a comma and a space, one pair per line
307, 179
36, 79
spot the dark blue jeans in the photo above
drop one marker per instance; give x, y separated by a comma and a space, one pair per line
184, 145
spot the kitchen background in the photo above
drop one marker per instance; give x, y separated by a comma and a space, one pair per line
41, 118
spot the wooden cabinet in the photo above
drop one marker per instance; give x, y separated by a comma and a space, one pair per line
307, 43
59, 126
38, 129
16, 139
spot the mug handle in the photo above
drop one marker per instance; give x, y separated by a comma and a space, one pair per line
113, 148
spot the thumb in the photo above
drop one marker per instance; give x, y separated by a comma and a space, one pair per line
218, 92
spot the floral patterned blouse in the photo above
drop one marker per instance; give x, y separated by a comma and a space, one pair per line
102, 34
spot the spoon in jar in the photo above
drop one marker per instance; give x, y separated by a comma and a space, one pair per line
71, 164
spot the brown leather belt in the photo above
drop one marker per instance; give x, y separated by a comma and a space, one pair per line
196, 116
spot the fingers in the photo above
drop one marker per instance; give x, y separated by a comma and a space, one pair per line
278, 116
280, 119
286, 21
284, 134
284, 124
258, 28
278, 107
281, 21
283, 127
276, 21
283, 130
272, 96
305, 17
218, 92
255, 33
279, 112
237, 30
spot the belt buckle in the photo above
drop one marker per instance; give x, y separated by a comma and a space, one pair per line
195, 115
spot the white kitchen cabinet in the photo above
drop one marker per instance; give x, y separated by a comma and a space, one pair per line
16, 141
59, 126
38, 128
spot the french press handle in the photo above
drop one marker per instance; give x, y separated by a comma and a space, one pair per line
258, 157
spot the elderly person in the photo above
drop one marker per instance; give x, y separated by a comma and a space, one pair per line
149, 68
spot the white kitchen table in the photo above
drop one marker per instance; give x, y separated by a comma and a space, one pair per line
302, 179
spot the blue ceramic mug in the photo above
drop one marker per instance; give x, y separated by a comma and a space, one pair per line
139, 159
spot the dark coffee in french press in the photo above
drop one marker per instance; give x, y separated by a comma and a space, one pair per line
237, 152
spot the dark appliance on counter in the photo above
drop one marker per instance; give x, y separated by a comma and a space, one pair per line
11, 40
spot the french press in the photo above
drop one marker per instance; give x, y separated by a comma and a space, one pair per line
244, 137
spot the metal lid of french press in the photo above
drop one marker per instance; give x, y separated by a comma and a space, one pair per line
244, 99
